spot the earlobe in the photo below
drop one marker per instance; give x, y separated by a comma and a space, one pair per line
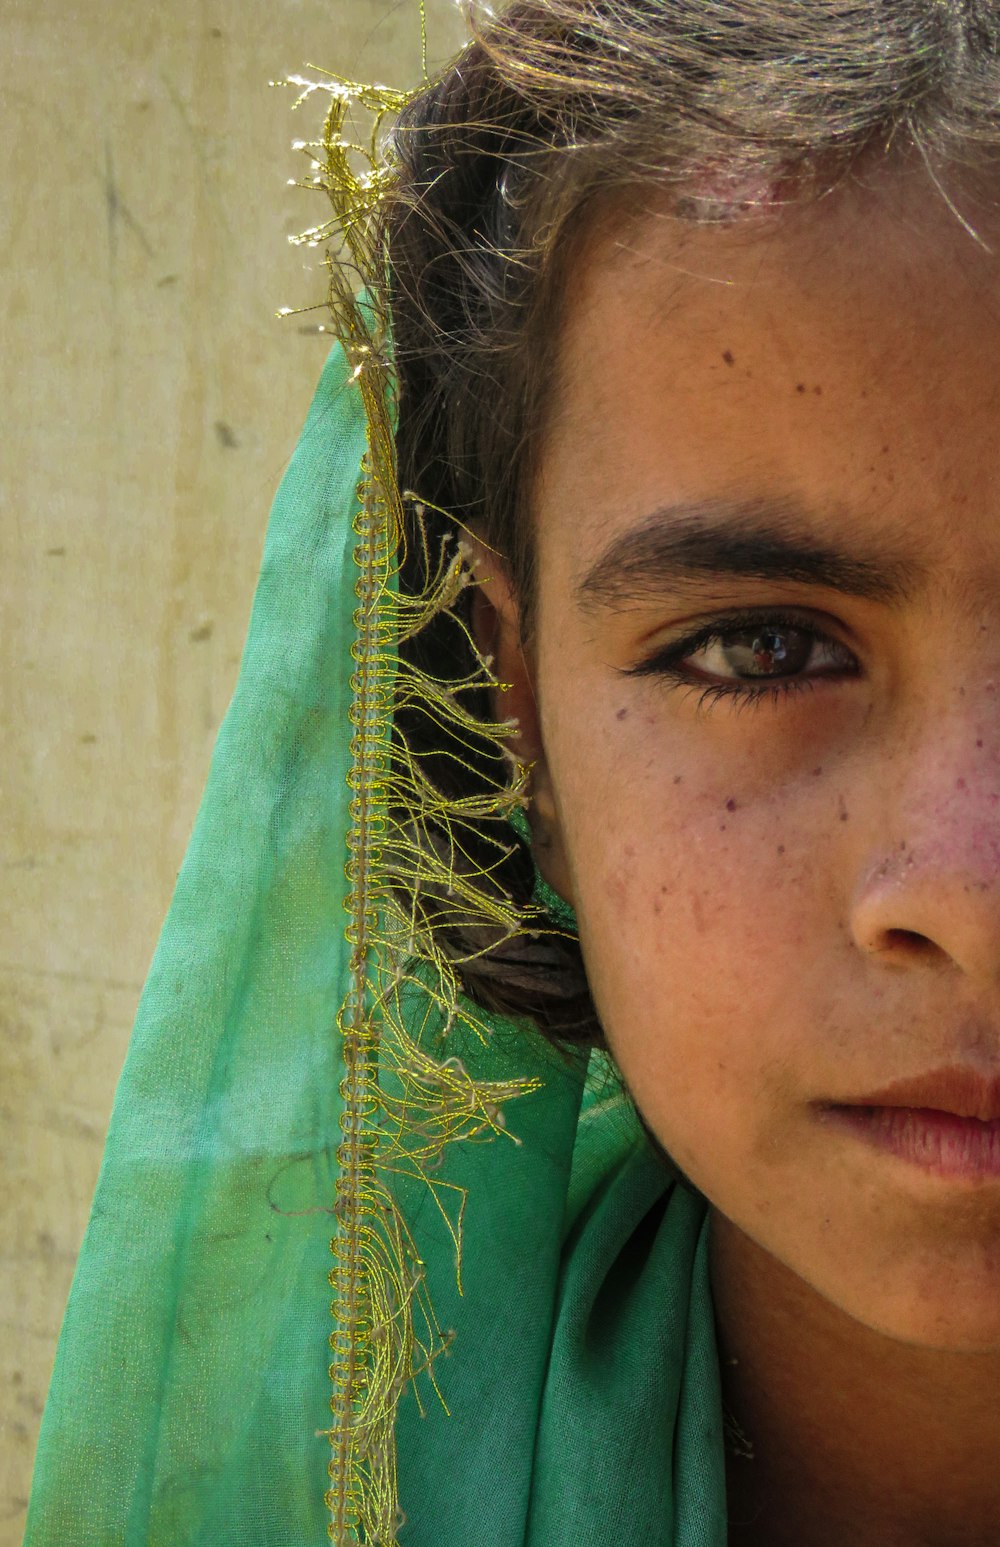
496, 628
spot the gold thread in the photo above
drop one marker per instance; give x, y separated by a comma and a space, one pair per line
401, 1105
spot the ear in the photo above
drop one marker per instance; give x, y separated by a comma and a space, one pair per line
496, 628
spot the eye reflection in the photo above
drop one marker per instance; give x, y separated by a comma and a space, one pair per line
760, 651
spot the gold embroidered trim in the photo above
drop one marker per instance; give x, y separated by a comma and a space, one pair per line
401, 1105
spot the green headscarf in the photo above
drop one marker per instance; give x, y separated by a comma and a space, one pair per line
578, 1401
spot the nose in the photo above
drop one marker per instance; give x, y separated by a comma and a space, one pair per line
932, 894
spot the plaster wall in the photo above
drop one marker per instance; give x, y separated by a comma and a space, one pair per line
150, 402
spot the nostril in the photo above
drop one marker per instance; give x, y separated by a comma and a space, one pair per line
906, 939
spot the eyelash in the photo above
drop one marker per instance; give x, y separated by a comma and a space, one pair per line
747, 693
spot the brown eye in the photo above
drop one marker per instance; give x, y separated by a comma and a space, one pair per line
749, 656
767, 651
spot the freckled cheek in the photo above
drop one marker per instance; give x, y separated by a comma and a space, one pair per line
685, 883
680, 871
691, 938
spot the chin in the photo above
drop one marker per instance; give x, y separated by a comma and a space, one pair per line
960, 1314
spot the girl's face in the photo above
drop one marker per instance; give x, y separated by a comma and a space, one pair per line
767, 679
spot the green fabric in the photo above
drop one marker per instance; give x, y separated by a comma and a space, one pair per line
191, 1376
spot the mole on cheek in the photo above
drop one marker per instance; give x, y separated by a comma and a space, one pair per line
727, 355
621, 715
730, 804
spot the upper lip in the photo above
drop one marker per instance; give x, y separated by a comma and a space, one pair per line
962, 1091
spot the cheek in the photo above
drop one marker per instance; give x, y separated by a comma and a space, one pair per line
697, 910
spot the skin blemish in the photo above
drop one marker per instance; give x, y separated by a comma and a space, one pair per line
817, 771
727, 355
678, 778
730, 804
622, 713
978, 743
960, 784
781, 848
843, 812
818, 391
801, 387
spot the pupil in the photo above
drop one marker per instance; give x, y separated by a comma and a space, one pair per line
767, 651
761, 651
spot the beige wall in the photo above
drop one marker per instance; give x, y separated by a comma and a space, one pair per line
150, 401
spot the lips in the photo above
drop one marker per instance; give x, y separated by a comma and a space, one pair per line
945, 1122
961, 1091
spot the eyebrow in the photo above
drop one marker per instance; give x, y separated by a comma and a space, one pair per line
698, 541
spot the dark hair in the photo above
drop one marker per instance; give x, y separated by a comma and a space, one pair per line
555, 108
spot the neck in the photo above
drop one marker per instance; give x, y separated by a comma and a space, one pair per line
854, 1436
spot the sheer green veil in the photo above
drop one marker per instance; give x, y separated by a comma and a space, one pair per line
364, 1261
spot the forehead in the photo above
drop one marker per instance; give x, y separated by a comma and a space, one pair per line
843, 353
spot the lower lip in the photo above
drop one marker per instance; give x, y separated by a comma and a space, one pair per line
960, 1148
